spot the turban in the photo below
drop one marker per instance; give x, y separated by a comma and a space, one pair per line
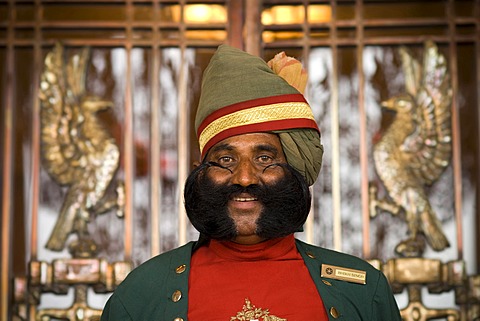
241, 94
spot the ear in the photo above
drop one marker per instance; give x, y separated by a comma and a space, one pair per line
196, 164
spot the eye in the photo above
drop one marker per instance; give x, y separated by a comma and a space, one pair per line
265, 159
226, 161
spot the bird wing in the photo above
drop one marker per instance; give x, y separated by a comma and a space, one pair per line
61, 89
412, 71
430, 143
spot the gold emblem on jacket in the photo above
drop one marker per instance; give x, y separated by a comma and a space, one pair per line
251, 313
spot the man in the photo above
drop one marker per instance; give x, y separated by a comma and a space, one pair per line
260, 150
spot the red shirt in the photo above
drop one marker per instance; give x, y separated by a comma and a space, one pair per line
229, 281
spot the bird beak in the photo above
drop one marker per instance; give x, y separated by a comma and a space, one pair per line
388, 104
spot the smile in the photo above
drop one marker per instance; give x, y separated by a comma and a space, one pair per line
244, 199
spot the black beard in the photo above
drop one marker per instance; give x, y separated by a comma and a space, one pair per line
286, 204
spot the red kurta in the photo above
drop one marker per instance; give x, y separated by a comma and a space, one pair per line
229, 281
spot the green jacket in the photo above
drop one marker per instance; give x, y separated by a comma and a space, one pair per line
158, 289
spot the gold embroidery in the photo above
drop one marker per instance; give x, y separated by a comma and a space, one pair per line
260, 114
251, 313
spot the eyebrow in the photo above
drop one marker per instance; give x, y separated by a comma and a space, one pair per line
221, 147
266, 147
257, 148
262, 147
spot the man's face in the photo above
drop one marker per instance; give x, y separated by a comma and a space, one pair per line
246, 192
247, 157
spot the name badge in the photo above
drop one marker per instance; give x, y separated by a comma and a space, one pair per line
344, 274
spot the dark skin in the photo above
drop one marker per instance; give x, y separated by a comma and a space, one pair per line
242, 161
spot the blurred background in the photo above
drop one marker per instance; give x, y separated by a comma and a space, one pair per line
146, 59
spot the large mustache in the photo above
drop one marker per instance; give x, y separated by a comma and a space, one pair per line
265, 194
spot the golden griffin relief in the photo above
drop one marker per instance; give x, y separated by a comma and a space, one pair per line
411, 155
77, 151
415, 150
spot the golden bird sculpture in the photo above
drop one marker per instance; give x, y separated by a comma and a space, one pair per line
415, 149
77, 151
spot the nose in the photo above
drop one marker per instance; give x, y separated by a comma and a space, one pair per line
245, 174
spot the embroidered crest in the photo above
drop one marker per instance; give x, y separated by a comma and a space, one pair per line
251, 313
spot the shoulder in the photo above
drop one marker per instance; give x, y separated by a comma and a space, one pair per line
163, 260
316, 258
355, 288
146, 291
147, 288
328, 256
155, 268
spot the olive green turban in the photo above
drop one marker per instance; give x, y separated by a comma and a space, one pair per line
242, 94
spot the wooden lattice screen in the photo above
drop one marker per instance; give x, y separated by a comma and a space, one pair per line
147, 58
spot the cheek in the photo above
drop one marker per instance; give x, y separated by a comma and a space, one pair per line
273, 175
218, 175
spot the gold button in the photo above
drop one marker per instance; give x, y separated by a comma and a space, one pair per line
334, 312
176, 296
326, 282
178, 319
310, 255
181, 269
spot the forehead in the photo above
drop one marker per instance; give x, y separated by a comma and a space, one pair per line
250, 140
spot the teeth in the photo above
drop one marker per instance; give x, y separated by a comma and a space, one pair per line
244, 199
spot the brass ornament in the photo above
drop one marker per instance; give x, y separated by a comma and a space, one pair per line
250, 312
77, 151
80, 274
415, 149
414, 274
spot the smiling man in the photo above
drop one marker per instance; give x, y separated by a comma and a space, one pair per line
247, 197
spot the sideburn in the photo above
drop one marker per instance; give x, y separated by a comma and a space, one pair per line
206, 205
286, 205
